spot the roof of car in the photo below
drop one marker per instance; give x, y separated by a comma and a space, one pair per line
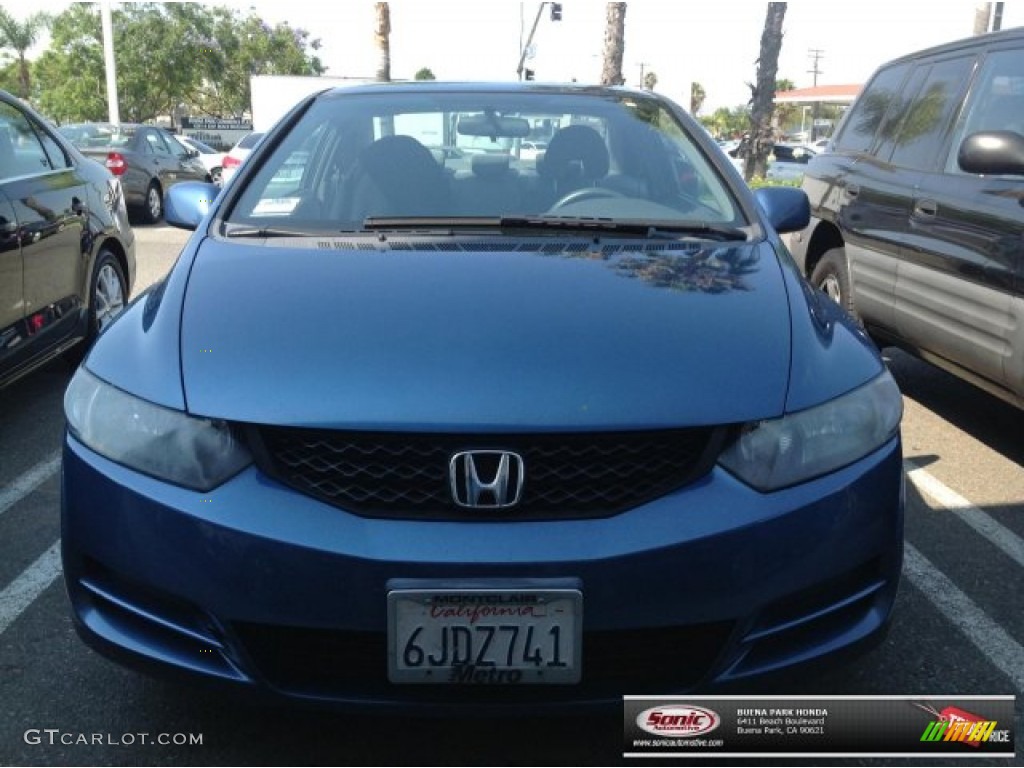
438, 86
976, 41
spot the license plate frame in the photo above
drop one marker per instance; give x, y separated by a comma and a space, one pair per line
540, 653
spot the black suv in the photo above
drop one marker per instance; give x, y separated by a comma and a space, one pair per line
67, 253
918, 210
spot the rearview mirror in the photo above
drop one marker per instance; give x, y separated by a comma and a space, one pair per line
493, 126
993, 152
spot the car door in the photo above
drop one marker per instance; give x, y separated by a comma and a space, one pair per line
50, 205
12, 308
163, 161
189, 166
867, 196
940, 304
960, 290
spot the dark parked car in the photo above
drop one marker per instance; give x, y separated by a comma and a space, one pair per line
917, 214
400, 435
147, 159
67, 253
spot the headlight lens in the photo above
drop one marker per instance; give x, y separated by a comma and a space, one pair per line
800, 446
195, 453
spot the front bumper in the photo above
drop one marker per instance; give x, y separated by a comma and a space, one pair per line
261, 587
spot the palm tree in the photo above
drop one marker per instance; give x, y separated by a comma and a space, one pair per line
382, 38
762, 94
614, 45
697, 96
20, 36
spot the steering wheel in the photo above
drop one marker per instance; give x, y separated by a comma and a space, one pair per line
587, 193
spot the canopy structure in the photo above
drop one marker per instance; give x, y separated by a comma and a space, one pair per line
824, 94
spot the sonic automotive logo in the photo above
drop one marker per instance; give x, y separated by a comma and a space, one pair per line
955, 724
678, 720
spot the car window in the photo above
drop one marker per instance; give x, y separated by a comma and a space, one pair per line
205, 149
857, 133
996, 101
21, 153
156, 142
93, 135
176, 147
250, 141
926, 117
354, 156
58, 158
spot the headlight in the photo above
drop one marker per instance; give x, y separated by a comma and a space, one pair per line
801, 446
196, 453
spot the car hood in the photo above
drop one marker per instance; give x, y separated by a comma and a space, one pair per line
465, 336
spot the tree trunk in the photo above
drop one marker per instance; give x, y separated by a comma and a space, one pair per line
614, 44
762, 101
982, 17
382, 38
23, 76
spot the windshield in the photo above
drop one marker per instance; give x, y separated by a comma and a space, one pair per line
354, 157
98, 135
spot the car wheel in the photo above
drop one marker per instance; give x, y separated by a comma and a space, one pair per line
154, 203
217, 177
108, 294
832, 277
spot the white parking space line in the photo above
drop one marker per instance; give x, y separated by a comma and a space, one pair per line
20, 593
27, 482
999, 535
988, 636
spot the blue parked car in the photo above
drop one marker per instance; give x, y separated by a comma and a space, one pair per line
539, 431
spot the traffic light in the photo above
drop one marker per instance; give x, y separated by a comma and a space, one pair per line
527, 74
556, 11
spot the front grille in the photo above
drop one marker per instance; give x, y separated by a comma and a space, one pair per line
407, 475
321, 662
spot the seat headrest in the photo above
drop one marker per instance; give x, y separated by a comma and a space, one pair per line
577, 150
490, 166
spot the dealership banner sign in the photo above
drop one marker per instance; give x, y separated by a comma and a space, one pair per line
959, 727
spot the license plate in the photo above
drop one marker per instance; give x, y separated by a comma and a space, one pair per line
484, 636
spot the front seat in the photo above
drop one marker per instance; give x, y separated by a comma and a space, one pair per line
397, 176
575, 158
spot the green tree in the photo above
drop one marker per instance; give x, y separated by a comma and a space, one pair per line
650, 81
424, 73
168, 55
786, 115
19, 37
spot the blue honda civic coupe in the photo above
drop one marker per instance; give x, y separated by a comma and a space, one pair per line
424, 417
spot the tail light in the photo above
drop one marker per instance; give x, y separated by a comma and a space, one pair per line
231, 162
116, 163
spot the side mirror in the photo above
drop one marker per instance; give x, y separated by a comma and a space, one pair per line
993, 152
186, 204
787, 208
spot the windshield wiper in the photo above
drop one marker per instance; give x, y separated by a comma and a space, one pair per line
377, 223
670, 230
242, 230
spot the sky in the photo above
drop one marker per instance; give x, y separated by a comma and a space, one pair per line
714, 43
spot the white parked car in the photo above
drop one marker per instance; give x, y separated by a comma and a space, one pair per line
238, 153
212, 160
529, 150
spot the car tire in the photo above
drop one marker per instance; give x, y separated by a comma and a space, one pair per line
153, 209
831, 276
217, 177
108, 296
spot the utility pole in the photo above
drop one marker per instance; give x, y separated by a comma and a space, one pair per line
817, 54
107, 25
641, 64
556, 15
